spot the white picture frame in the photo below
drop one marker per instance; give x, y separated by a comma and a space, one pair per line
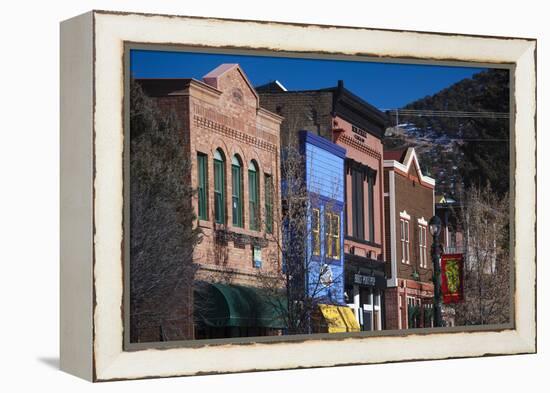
92, 148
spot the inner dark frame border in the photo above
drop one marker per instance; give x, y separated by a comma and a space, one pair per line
170, 47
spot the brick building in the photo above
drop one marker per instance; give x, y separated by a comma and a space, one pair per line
233, 144
339, 116
409, 205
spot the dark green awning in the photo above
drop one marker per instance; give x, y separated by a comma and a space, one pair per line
220, 305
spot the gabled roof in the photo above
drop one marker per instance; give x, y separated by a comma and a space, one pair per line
212, 77
404, 164
160, 87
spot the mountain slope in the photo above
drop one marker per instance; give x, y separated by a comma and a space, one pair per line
461, 151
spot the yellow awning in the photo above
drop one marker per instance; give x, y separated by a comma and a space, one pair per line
339, 319
349, 319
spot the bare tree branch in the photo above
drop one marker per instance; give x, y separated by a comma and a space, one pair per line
485, 221
162, 231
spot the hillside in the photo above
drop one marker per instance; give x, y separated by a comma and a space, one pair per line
459, 149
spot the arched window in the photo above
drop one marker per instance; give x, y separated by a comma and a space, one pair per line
236, 182
219, 187
253, 196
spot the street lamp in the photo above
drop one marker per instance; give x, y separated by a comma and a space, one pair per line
435, 229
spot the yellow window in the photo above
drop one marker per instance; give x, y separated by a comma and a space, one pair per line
335, 236
316, 233
328, 236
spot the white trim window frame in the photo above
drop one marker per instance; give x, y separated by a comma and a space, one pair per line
405, 241
422, 245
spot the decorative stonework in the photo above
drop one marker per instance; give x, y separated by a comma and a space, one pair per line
422, 221
237, 96
359, 146
239, 136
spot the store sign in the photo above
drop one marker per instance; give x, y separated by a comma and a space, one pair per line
257, 257
452, 275
361, 279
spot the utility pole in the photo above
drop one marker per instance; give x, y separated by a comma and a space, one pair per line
435, 229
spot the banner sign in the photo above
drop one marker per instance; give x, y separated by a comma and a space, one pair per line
452, 275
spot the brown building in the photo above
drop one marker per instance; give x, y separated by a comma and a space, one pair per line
409, 205
234, 147
340, 116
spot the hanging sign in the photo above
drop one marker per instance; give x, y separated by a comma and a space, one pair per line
452, 275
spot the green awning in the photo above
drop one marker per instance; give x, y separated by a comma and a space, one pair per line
220, 305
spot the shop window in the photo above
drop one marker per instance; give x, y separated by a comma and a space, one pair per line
413, 312
428, 314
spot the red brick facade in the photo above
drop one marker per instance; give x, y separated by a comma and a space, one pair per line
368, 152
233, 122
222, 113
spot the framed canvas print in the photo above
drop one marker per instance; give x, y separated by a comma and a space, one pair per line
246, 195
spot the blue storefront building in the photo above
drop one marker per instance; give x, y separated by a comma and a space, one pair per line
324, 181
323, 261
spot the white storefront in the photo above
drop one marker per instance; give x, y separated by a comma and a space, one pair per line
365, 300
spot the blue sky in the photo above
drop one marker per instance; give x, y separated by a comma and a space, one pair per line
384, 85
